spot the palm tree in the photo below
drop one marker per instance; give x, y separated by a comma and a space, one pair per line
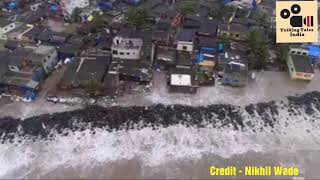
221, 12
257, 50
262, 20
98, 23
137, 17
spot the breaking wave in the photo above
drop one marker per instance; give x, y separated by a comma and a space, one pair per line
157, 134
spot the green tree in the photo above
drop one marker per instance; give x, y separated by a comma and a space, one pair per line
75, 16
137, 17
98, 23
92, 87
282, 55
257, 50
185, 8
262, 20
224, 39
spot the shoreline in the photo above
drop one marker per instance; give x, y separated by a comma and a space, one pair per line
185, 138
268, 86
117, 118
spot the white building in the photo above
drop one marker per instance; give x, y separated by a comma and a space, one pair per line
50, 57
185, 41
5, 27
69, 5
180, 80
126, 48
46, 55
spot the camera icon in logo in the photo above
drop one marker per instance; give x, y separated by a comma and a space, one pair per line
296, 21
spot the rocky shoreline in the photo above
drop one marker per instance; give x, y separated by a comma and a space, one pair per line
126, 118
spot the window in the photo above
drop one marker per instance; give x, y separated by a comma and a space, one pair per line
115, 52
11, 26
5, 29
49, 56
237, 35
121, 53
299, 53
44, 60
128, 53
293, 52
184, 48
292, 69
304, 53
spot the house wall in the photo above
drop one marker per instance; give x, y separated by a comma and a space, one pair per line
185, 46
297, 75
50, 61
299, 51
3, 36
7, 28
235, 35
125, 53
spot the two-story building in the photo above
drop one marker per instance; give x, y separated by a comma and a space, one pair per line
126, 48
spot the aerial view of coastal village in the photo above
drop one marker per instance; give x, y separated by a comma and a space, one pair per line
159, 89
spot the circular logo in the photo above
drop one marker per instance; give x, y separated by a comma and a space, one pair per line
285, 13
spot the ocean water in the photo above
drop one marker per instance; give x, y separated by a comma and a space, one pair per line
163, 141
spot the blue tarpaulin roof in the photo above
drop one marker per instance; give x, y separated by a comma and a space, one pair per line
314, 51
204, 51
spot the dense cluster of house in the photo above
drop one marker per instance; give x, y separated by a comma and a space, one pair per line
186, 47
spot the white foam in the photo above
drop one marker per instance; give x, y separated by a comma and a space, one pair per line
156, 147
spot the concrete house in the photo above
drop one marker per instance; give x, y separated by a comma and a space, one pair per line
90, 67
234, 30
182, 80
126, 48
185, 40
165, 57
69, 5
23, 76
235, 74
300, 67
18, 34
299, 50
5, 27
47, 55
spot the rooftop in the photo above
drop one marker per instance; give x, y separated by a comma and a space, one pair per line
185, 35
4, 22
234, 27
131, 68
183, 59
126, 43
